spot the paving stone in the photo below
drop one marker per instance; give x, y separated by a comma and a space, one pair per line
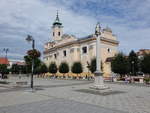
56, 95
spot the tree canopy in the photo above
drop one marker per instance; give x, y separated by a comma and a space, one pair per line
43, 68
77, 67
53, 68
120, 64
145, 64
63, 67
93, 65
34, 53
133, 62
3, 69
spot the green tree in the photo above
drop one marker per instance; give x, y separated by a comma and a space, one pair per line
15, 69
120, 64
145, 64
23, 69
63, 68
32, 54
77, 68
53, 68
3, 70
28, 61
93, 65
133, 63
43, 68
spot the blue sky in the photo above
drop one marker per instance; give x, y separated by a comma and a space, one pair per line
129, 20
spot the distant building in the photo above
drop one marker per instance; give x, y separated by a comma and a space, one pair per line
18, 62
68, 48
143, 52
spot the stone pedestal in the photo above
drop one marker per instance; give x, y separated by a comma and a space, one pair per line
99, 82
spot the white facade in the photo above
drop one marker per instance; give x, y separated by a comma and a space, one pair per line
68, 48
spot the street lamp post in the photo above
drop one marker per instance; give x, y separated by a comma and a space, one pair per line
30, 39
133, 67
99, 82
6, 51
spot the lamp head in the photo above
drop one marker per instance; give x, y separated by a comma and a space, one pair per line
29, 38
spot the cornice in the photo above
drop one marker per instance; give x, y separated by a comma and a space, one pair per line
80, 41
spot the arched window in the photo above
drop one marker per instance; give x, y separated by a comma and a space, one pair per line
53, 33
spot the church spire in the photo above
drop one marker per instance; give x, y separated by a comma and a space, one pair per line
57, 17
57, 29
57, 21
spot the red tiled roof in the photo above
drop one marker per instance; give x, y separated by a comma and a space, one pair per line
4, 61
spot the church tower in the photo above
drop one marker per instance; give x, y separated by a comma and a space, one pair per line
57, 29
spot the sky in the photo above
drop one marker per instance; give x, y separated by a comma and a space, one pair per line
128, 19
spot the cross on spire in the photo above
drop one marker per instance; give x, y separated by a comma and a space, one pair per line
57, 21
57, 17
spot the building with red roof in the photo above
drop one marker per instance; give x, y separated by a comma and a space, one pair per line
4, 60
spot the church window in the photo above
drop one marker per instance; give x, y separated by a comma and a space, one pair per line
55, 55
84, 49
108, 50
65, 53
58, 33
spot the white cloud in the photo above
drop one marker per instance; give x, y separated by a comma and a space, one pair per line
21, 17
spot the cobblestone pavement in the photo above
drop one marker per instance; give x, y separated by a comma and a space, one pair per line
71, 98
57, 106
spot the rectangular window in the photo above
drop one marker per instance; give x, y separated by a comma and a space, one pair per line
58, 33
84, 49
108, 50
65, 53
55, 56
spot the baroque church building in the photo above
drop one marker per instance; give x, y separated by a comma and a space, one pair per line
68, 48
